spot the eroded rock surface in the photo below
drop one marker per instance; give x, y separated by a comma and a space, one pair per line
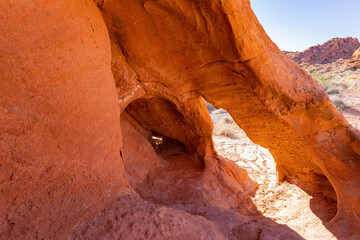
91, 92
59, 118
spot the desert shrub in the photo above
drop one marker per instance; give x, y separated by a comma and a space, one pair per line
226, 133
342, 85
228, 120
305, 67
308, 68
352, 76
339, 104
333, 91
322, 79
329, 77
316, 75
319, 78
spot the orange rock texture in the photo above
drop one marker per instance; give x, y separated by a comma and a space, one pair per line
102, 107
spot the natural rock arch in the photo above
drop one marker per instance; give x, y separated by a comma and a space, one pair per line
60, 133
217, 49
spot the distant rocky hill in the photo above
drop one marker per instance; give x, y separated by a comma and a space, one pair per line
330, 51
336, 55
335, 65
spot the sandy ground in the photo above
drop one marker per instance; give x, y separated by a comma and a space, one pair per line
285, 203
351, 97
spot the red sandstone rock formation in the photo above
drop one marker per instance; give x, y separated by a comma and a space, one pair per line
336, 55
340, 65
330, 51
356, 54
87, 92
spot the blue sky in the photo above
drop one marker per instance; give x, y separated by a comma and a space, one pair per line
295, 25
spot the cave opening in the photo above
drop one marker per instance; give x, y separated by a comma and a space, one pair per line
162, 143
232, 143
311, 190
159, 164
162, 167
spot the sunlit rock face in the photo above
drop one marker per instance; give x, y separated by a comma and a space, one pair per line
91, 92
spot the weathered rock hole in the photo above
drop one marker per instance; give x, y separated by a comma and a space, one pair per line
159, 167
161, 143
232, 142
157, 140
309, 189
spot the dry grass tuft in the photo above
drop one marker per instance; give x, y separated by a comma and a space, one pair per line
227, 133
353, 76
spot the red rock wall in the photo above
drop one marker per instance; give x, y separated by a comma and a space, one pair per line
64, 84
59, 118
